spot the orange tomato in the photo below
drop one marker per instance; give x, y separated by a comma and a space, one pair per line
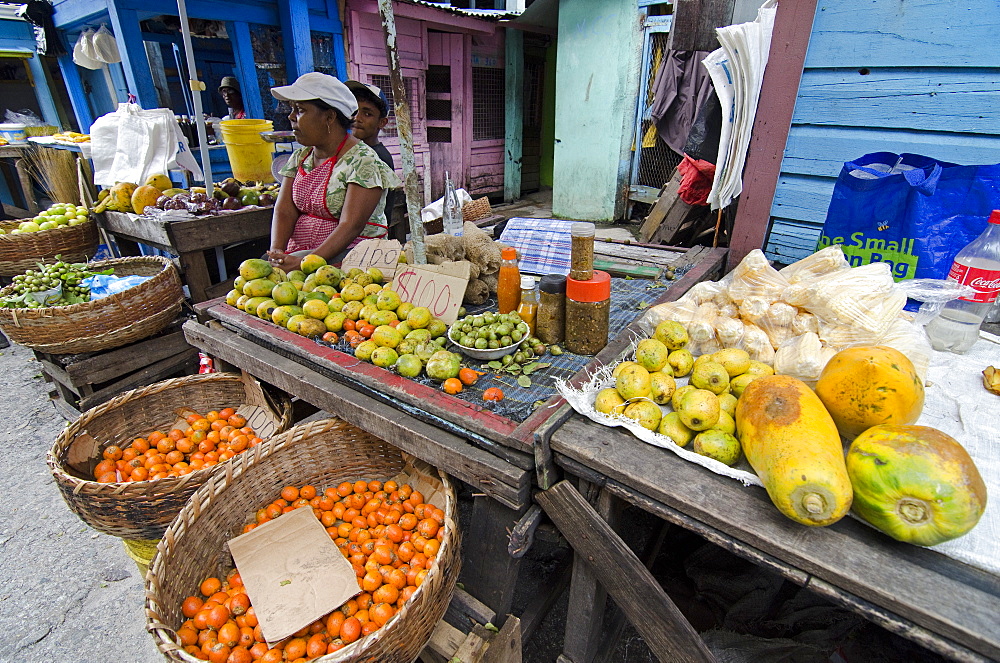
452, 386
494, 394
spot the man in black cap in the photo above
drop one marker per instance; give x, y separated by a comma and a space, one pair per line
229, 88
371, 118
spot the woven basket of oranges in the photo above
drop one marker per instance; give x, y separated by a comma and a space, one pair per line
141, 507
323, 455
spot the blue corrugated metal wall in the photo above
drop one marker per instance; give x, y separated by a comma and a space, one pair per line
919, 76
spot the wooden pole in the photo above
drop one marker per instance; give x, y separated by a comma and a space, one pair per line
405, 129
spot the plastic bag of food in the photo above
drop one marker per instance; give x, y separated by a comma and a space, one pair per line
823, 262
777, 323
754, 277
865, 297
682, 310
910, 339
729, 331
752, 309
802, 357
757, 344
805, 322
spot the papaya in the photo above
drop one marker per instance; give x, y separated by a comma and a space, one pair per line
143, 197
870, 385
792, 444
915, 483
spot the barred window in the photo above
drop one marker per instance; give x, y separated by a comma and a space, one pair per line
487, 103
384, 83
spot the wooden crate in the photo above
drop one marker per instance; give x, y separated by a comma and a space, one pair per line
466, 635
81, 381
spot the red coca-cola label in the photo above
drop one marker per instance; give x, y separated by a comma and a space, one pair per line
985, 281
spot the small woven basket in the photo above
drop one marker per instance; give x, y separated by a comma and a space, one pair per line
23, 251
476, 209
110, 322
143, 509
322, 453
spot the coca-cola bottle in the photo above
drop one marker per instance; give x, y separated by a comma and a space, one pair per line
956, 329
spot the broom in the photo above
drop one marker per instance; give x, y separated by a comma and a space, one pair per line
55, 171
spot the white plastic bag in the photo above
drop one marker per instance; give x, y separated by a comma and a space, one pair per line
81, 49
131, 144
103, 46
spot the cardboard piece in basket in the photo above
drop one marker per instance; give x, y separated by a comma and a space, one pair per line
440, 288
380, 253
84, 452
293, 573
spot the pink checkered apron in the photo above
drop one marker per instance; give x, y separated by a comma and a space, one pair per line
315, 222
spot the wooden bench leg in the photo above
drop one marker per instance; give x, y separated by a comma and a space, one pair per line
667, 633
196, 275
490, 573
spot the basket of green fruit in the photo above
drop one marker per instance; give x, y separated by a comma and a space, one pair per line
62, 230
49, 309
489, 335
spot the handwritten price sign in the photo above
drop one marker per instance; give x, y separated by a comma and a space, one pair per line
381, 253
427, 285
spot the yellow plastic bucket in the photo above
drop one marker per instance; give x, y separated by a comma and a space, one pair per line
249, 154
141, 551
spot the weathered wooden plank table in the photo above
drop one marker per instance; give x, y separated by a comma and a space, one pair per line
493, 454
188, 239
944, 605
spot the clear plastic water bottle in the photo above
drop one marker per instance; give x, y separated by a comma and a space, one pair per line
956, 329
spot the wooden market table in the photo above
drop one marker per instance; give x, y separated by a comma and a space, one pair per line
944, 605
189, 239
492, 454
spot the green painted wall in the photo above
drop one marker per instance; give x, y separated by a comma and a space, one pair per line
548, 117
597, 74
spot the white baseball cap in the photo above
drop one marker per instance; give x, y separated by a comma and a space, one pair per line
315, 85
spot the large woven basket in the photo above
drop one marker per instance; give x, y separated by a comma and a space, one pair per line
143, 509
476, 209
21, 252
323, 454
111, 322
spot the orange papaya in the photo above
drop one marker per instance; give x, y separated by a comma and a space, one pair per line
915, 483
792, 444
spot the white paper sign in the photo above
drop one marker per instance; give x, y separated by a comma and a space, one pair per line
438, 287
380, 253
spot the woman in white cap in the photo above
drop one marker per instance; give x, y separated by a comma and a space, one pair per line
333, 192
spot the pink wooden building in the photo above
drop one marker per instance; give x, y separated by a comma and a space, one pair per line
453, 66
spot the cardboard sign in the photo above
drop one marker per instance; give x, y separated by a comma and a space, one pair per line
438, 287
381, 253
293, 572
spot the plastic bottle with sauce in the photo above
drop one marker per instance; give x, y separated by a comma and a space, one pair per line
551, 319
582, 251
588, 313
528, 308
508, 282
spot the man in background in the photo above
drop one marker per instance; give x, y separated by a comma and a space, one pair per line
229, 88
371, 118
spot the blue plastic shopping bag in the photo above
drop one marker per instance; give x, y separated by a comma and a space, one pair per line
910, 211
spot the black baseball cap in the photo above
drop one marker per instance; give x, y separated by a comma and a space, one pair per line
371, 94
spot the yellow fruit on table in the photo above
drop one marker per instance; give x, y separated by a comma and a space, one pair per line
384, 356
311, 328
645, 413
365, 349
329, 292
143, 197
241, 300
336, 303
388, 300
367, 311
311, 263
352, 310
329, 275
316, 308
386, 336
160, 181
238, 283
296, 275
793, 445
717, 444
232, 296
609, 401
362, 279
662, 387
651, 354
672, 334
265, 309
633, 382
335, 321
295, 322
404, 327
403, 309
373, 289
375, 273
284, 294
281, 315
866, 386
250, 305
672, 426
352, 293
699, 409
418, 335
255, 268
259, 288
419, 317
379, 318
437, 328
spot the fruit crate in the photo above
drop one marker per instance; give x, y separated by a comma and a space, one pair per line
78, 382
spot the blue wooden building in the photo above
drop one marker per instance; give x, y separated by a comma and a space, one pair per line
920, 77
262, 42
